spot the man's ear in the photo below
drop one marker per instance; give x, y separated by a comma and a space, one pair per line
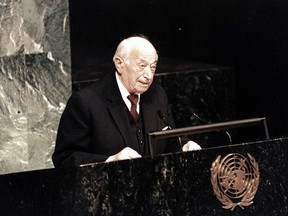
118, 64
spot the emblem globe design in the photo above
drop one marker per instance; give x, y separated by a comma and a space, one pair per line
235, 180
235, 175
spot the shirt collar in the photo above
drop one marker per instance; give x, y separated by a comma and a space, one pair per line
124, 92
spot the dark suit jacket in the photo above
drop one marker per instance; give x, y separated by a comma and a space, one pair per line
95, 123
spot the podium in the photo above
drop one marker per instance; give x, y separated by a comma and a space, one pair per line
190, 183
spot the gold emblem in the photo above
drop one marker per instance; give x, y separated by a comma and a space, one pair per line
235, 180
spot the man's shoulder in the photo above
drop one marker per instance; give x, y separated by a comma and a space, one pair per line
86, 91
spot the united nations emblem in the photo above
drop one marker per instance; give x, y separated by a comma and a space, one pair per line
235, 180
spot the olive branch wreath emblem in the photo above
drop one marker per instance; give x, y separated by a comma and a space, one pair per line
235, 180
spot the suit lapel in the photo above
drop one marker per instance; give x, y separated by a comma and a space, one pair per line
118, 109
148, 110
119, 113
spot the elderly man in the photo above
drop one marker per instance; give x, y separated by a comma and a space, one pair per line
108, 120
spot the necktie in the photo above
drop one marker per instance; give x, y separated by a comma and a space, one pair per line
134, 99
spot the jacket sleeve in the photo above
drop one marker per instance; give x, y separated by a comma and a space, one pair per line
73, 136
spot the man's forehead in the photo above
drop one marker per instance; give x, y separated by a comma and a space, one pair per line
144, 53
151, 60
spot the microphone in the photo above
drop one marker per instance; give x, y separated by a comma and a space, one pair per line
205, 122
168, 127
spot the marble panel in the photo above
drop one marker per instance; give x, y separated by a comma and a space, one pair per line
35, 80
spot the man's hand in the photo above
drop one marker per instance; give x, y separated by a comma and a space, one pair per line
190, 146
125, 154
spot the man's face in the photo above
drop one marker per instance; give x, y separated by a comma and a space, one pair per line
138, 69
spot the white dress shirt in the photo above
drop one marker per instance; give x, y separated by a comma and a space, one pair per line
124, 93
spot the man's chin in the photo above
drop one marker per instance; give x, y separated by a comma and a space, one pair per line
141, 90
141, 87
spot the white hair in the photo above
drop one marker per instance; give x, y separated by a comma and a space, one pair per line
127, 45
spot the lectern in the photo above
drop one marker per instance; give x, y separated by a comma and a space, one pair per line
244, 179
